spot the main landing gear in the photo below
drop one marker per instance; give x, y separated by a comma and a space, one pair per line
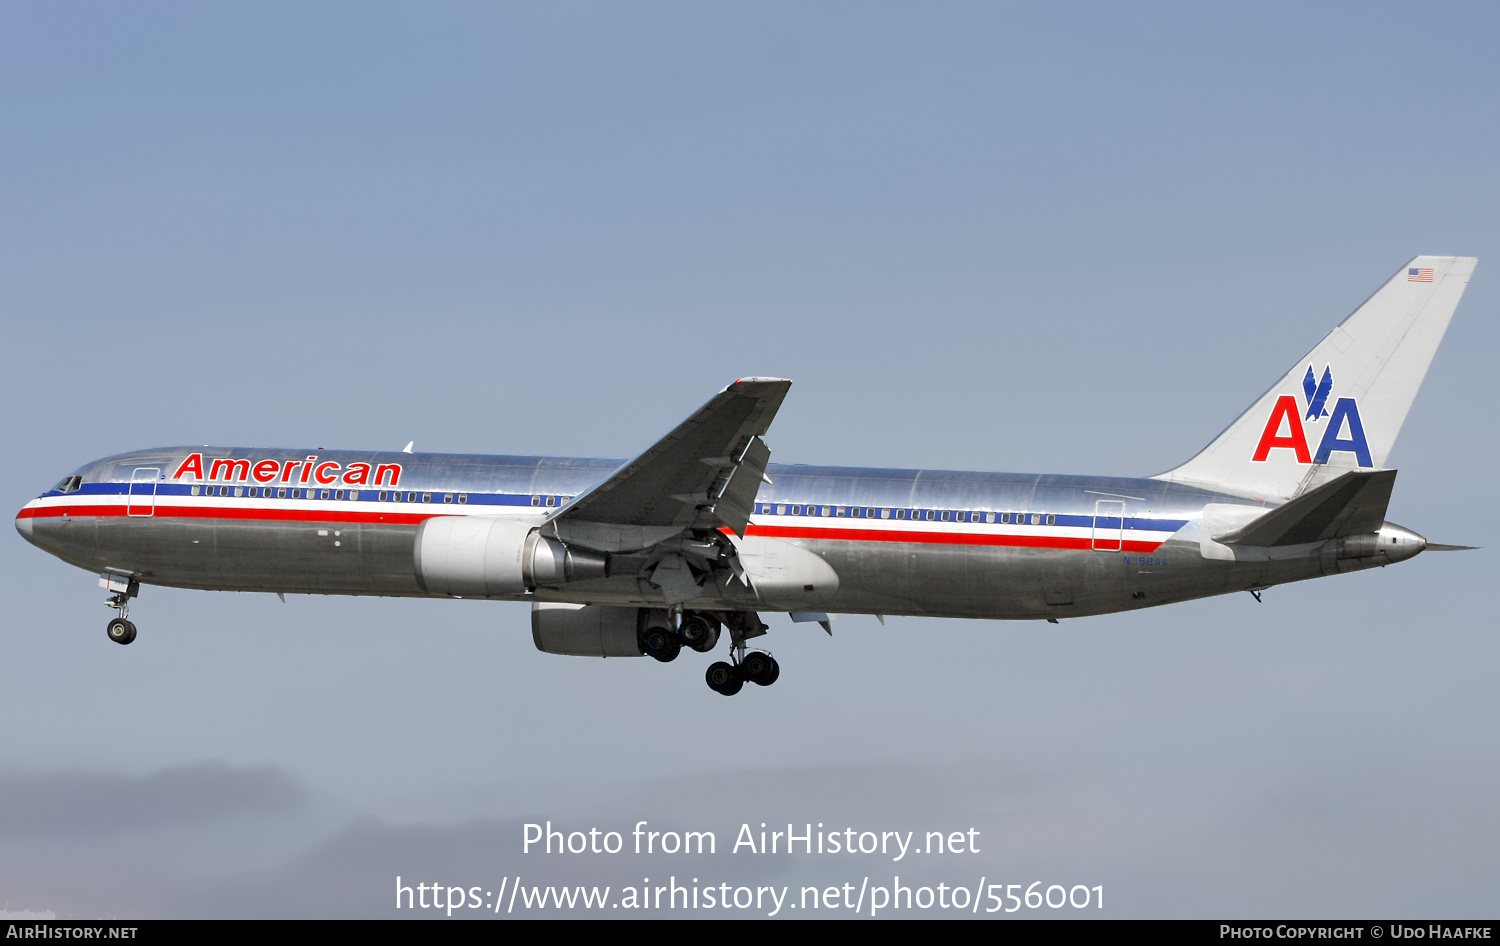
699, 630
121, 629
756, 667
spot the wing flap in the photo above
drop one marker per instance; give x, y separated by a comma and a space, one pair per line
736, 501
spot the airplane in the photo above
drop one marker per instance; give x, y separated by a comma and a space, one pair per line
701, 533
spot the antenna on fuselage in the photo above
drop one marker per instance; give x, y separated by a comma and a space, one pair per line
409, 445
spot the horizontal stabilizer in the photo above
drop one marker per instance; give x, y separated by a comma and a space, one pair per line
1353, 504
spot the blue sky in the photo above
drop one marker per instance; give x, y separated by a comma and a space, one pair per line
1075, 238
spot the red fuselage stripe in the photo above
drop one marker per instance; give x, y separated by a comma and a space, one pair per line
951, 538
335, 514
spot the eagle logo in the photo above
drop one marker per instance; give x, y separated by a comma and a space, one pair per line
1317, 392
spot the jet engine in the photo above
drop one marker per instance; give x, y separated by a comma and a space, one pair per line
483, 557
594, 630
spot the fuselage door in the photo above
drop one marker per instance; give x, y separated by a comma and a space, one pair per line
142, 498
1109, 525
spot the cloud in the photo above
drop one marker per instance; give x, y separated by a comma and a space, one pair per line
71, 804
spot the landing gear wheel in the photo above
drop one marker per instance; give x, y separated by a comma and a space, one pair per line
761, 669
661, 643
698, 632
121, 631
724, 678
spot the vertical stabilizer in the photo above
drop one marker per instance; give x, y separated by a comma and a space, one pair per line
1340, 407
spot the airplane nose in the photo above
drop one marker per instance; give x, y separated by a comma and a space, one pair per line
23, 526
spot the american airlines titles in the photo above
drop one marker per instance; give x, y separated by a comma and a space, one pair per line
312, 470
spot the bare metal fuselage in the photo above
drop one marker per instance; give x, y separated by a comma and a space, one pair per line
911, 542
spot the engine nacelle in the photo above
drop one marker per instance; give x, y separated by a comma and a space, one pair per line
594, 630
484, 557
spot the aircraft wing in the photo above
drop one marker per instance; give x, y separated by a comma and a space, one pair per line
704, 474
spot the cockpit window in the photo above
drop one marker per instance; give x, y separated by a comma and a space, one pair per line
69, 484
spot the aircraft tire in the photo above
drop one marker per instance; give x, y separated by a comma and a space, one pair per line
760, 669
773, 675
656, 640
724, 678
697, 632
669, 652
121, 631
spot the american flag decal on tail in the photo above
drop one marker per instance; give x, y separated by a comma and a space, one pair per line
1419, 275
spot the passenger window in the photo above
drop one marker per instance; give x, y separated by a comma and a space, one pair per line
989, 517
838, 512
411, 497
448, 498
945, 515
382, 495
552, 500
827, 511
1036, 520
325, 494
797, 510
536, 500
281, 493
338, 494
194, 491
354, 494
426, 497
781, 510
463, 498
1051, 520
239, 491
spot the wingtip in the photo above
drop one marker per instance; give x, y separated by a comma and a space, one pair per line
759, 382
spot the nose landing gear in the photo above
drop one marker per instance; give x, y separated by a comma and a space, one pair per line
120, 629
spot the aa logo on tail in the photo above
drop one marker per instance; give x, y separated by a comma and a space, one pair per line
1285, 430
